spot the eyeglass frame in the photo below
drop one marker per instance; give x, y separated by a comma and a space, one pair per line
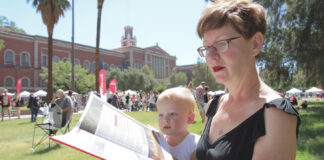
207, 47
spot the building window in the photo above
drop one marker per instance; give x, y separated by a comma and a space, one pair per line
86, 65
65, 59
56, 59
44, 60
25, 82
112, 66
106, 66
93, 67
9, 57
158, 67
43, 83
76, 62
9, 81
24, 59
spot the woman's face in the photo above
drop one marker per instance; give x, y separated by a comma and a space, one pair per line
234, 62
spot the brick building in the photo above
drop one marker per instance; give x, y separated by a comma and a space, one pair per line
24, 55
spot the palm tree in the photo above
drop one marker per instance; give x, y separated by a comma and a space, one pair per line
100, 3
51, 11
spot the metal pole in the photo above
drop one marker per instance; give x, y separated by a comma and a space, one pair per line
72, 87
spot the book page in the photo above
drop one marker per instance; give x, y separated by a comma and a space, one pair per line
107, 133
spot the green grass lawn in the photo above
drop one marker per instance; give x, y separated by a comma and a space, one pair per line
16, 137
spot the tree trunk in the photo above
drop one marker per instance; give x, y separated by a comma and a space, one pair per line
100, 3
50, 69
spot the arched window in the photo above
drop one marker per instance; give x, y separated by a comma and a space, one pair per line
44, 60
86, 65
65, 59
24, 59
106, 66
76, 62
25, 82
9, 57
9, 81
93, 67
56, 59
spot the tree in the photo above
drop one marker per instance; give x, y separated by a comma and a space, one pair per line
2, 45
9, 26
131, 78
203, 73
62, 77
178, 79
100, 3
51, 11
294, 40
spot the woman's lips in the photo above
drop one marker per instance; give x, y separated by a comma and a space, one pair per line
217, 68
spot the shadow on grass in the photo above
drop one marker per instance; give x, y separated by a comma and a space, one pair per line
47, 149
311, 130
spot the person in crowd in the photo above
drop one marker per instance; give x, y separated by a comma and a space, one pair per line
65, 103
114, 100
175, 107
206, 96
191, 88
200, 99
33, 105
151, 102
303, 105
249, 121
73, 101
127, 102
293, 100
5, 101
18, 103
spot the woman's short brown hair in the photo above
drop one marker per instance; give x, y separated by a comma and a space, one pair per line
245, 16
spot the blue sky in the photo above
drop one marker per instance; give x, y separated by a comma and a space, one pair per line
170, 23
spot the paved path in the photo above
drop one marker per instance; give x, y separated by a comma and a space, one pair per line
28, 116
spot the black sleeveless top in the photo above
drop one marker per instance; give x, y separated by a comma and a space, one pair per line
238, 144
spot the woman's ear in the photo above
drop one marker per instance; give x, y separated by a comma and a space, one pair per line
191, 118
258, 39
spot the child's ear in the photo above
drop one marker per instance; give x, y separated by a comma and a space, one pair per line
191, 118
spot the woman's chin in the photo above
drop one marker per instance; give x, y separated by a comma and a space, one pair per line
220, 79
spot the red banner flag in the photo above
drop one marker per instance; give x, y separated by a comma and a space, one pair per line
113, 86
18, 85
102, 82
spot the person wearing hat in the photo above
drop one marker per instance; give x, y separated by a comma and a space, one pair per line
200, 90
5, 102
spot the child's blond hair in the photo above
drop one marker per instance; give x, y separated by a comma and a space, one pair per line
178, 95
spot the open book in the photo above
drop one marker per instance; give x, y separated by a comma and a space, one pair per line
107, 133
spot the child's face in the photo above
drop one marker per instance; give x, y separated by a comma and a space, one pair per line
174, 118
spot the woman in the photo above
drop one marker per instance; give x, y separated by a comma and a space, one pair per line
18, 103
250, 121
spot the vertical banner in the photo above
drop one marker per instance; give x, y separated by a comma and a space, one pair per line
102, 84
112, 86
18, 85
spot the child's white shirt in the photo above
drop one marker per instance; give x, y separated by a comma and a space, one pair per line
184, 150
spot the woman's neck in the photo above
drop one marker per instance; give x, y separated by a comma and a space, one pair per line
245, 87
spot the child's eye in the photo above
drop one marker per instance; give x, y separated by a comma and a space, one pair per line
173, 114
160, 115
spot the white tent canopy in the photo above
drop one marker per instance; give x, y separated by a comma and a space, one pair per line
314, 90
24, 94
130, 92
40, 93
294, 90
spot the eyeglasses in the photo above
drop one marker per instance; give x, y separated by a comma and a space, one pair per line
218, 47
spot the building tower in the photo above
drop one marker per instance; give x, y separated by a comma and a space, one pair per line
128, 39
